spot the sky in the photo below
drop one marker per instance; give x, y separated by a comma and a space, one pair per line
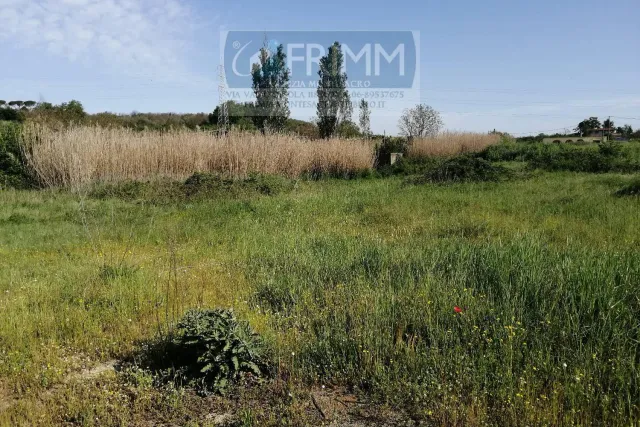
517, 66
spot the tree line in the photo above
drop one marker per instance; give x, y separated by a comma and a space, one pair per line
590, 126
608, 127
268, 113
334, 109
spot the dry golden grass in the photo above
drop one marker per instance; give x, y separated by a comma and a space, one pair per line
80, 155
451, 143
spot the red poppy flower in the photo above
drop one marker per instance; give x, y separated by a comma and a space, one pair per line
457, 309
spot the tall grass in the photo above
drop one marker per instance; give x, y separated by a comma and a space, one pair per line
451, 143
352, 284
80, 155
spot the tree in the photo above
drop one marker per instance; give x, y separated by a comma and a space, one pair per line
3, 102
626, 131
587, 125
608, 124
11, 115
271, 88
45, 106
30, 104
334, 104
365, 118
240, 115
16, 104
72, 111
303, 128
348, 129
420, 121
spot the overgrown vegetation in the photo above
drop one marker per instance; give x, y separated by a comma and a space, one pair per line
464, 168
505, 304
607, 157
13, 171
78, 156
199, 186
352, 284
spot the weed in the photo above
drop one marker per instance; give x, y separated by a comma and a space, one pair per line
211, 349
113, 272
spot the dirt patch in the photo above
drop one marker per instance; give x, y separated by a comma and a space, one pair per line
6, 401
340, 408
93, 373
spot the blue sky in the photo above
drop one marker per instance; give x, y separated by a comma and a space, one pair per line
517, 66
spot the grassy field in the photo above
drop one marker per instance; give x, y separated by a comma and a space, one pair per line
353, 286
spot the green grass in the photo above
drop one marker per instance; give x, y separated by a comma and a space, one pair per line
351, 283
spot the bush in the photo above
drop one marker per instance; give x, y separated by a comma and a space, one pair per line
577, 160
465, 169
210, 350
504, 152
612, 148
13, 172
11, 115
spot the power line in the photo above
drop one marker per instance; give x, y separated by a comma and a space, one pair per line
223, 114
626, 118
540, 131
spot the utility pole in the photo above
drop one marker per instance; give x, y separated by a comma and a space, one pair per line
223, 115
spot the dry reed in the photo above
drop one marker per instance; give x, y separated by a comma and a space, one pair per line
80, 155
451, 143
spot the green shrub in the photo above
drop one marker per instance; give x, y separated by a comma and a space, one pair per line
573, 160
11, 115
611, 148
13, 172
503, 152
465, 169
209, 351
521, 151
608, 157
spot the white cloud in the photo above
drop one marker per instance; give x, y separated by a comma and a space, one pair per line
146, 38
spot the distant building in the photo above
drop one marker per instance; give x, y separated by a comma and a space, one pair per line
598, 133
576, 139
593, 136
